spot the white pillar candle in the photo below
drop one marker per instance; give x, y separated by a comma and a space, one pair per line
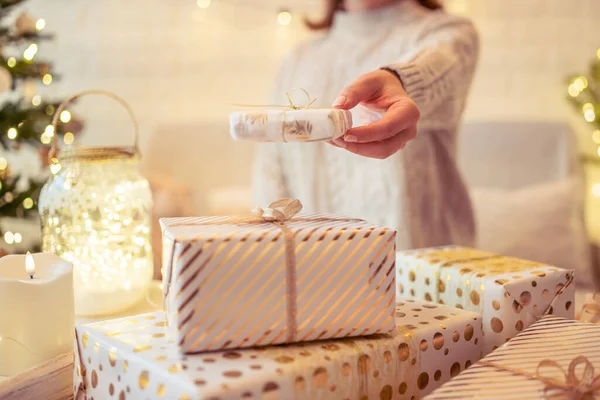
37, 316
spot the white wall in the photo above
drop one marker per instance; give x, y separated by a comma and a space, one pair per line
179, 65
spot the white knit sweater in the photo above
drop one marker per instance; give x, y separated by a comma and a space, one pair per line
419, 190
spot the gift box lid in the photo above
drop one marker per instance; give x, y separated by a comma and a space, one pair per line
134, 356
185, 229
547, 360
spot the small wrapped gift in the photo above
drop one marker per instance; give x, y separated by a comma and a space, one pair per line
555, 358
132, 358
510, 293
290, 125
273, 277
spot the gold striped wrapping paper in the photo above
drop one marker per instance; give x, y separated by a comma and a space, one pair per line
554, 338
132, 358
226, 284
510, 293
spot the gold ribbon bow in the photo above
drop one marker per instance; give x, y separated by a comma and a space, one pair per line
576, 388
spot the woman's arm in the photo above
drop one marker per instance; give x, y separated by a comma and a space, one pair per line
442, 68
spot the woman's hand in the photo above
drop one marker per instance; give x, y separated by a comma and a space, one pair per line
379, 90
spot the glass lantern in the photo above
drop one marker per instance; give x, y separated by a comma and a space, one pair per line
96, 213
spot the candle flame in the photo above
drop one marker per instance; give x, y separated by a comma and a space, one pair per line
29, 265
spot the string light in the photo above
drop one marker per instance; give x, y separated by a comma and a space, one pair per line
47, 79
598, 53
37, 100
284, 18
573, 92
596, 190
596, 136
17, 238
49, 131
28, 203
40, 24
11, 62
203, 3
45, 139
589, 115
9, 237
55, 167
30, 52
12, 133
49, 109
581, 83
3, 163
69, 138
9, 197
65, 116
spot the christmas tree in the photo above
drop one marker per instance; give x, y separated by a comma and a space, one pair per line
25, 122
584, 94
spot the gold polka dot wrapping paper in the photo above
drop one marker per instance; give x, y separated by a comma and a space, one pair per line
133, 358
232, 285
535, 365
510, 293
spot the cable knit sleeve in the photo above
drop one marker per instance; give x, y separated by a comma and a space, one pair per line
444, 64
268, 182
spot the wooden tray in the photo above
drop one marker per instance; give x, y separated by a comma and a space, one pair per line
52, 380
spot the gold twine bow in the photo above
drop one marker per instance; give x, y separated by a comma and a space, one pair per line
571, 384
290, 106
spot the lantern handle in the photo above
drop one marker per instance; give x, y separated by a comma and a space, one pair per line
61, 107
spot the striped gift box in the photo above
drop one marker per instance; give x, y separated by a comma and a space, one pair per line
231, 284
552, 359
510, 293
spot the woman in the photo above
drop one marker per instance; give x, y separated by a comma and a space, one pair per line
408, 59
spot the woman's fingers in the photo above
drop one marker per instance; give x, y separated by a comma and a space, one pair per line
381, 149
398, 118
361, 90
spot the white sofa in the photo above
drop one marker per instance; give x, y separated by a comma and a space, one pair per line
527, 192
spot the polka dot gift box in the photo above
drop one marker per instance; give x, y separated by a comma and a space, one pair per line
275, 277
132, 358
511, 294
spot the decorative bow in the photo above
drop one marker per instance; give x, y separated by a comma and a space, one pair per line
290, 106
577, 388
591, 310
571, 384
280, 210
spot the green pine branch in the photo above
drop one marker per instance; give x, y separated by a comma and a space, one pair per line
23, 69
9, 3
30, 122
15, 207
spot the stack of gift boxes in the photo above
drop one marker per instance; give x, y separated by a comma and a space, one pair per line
277, 304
